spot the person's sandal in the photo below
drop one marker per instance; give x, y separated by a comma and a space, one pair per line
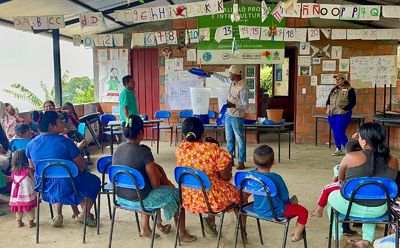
91, 222
165, 229
210, 228
58, 221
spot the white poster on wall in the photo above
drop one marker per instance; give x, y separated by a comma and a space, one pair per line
177, 95
322, 94
110, 79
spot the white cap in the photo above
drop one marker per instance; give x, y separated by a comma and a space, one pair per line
236, 69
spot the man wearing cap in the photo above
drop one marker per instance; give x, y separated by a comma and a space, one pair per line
238, 102
341, 101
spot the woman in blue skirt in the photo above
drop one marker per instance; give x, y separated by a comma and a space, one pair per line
50, 144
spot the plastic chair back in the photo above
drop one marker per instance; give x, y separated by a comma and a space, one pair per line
103, 164
185, 114
192, 178
125, 177
82, 129
19, 144
162, 114
106, 118
212, 114
255, 183
369, 188
56, 168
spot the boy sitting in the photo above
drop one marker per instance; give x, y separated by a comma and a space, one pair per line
263, 157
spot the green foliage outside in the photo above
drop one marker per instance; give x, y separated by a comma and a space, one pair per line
266, 79
77, 90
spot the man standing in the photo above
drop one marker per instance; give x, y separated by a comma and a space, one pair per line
238, 102
127, 99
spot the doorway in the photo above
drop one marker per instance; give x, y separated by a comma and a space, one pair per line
278, 86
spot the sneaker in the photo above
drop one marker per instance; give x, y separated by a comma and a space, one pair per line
241, 166
58, 221
337, 152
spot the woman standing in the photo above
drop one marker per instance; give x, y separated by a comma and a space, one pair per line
340, 102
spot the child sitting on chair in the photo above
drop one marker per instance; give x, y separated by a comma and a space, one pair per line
263, 157
351, 146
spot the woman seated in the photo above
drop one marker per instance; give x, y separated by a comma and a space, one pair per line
374, 160
213, 161
11, 119
157, 193
50, 144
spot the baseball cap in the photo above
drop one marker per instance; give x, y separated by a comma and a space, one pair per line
340, 75
236, 69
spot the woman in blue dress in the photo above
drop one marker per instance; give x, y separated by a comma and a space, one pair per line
50, 144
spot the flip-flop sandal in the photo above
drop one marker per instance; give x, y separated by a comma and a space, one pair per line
210, 228
301, 238
166, 229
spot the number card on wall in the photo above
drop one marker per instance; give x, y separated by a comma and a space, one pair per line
118, 40
137, 39
160, 37
254, 32
98, 40
150, 39
223, 33
108, 40
88, 41
313, 34
290, 34
243, 31
204, 34
193, 35
172, 37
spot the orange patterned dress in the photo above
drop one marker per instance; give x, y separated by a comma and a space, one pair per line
210, 159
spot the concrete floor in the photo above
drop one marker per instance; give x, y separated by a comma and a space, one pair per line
305, 174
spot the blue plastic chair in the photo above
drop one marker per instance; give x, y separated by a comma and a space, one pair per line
256, 184
212, 114
164, 116
196, 179
366, 189
126, 177
105, 130
182, 116
56, 169
105, 188
17, 144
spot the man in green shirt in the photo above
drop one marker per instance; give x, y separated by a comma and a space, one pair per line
127, 99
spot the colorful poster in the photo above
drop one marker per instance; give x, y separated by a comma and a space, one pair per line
252, 51
110, 79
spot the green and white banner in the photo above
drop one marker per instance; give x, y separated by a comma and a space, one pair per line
247, 35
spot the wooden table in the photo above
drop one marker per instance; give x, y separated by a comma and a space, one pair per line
147, 123
359, 118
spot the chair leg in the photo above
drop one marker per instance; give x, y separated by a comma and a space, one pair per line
242, 232
170, 141
37, 218
153, 234
137, 222
97, 217
330, 230
397, 233
259, 232
112, 227
177, 227
85, 214
98, 213
102, 143
152, 136
220, 229
305, 238
285, 233
109, 205
385, 232
337, 229
237, 229
202, 225
51, 211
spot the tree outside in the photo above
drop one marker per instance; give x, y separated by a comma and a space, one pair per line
77, 90
266, 79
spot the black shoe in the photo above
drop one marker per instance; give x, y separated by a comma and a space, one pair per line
347, 230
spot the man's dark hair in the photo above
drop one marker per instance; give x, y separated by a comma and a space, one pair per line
126, 79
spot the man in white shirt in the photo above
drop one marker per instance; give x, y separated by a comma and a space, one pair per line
238, 102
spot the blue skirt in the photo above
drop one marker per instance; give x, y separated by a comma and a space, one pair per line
62, 191
165, 197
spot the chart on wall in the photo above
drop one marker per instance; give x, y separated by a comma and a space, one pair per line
110, 79
248, 41
368, 71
